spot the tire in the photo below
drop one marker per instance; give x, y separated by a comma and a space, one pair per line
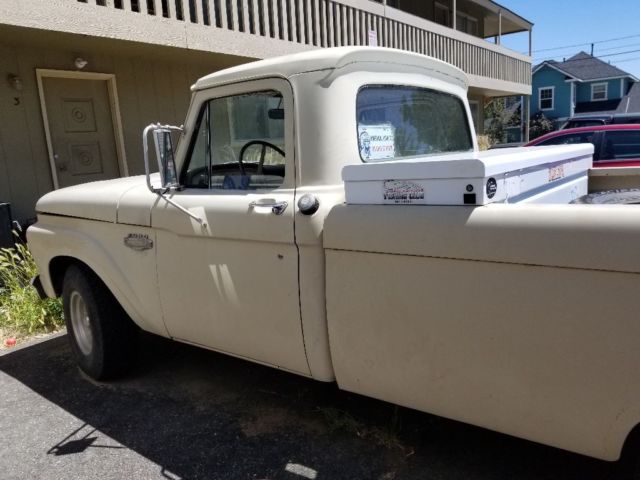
103, 338
628, 467
626, 196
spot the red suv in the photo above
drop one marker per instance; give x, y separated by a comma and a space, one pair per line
615, 145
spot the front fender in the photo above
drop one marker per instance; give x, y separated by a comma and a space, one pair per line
129, 274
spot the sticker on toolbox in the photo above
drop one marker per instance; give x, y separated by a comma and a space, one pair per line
402, 191
556, 173
492, 187
377, 142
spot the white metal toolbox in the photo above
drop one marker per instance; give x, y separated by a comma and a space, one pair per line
551, 174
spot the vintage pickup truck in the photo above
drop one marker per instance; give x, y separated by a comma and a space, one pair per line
329, 214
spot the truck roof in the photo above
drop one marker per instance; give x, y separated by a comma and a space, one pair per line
327, 59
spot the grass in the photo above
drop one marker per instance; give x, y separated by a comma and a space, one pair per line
22, 312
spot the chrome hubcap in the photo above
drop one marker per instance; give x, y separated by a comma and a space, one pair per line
81, 322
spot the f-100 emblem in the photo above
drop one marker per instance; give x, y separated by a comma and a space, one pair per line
138, 241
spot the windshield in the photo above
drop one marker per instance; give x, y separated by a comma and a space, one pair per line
397, 121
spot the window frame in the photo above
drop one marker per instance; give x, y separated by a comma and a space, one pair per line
606, 91
553, 98
196, 111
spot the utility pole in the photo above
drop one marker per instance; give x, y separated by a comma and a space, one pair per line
592, 49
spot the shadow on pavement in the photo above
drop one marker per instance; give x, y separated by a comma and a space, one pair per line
199, 414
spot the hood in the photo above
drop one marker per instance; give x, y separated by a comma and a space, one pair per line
122, 200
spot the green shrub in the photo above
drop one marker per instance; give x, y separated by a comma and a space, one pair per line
483, 142
539, 125
22, 311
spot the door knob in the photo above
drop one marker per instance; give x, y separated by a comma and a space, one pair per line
62, 166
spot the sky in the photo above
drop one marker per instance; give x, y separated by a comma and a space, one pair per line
612, 25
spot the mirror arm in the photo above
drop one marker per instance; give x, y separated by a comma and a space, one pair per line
201, 221
163, 190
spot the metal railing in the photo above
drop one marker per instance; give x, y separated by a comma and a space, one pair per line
329, 23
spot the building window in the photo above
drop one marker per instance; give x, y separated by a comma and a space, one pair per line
466, 24
598, 92
545, 98
442, 14
472, 26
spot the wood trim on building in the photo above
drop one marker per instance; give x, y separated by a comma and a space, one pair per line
116, 119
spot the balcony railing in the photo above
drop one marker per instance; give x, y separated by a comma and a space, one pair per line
329, 23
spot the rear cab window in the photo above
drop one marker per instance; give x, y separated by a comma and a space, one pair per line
396, 122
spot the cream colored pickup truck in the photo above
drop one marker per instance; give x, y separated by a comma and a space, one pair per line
329, 214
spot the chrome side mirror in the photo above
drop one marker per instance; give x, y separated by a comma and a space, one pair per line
166, 165
164, 156
166, 160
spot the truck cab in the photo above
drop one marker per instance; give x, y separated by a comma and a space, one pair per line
259, 140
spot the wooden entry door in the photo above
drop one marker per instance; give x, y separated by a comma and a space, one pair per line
82, 139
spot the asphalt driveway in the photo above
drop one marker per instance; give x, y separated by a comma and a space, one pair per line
189, 413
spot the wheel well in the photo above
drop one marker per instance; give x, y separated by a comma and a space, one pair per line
632, 442
57, 268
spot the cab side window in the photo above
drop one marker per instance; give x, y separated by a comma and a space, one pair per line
239, 144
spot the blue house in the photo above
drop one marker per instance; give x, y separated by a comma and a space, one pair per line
580, 85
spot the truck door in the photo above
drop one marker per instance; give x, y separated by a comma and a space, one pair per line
232, 286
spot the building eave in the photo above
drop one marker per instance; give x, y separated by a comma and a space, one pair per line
550, 65
496, 7
603, 79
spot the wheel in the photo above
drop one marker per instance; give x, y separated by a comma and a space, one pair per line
628, 467
624, 196
103, 338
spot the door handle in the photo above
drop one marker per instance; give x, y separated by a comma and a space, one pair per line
277, 208
62, 166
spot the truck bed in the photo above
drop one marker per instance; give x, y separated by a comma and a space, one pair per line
517, 318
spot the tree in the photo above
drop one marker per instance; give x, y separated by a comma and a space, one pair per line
539, 125
515, 119
502, 115
494, 113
